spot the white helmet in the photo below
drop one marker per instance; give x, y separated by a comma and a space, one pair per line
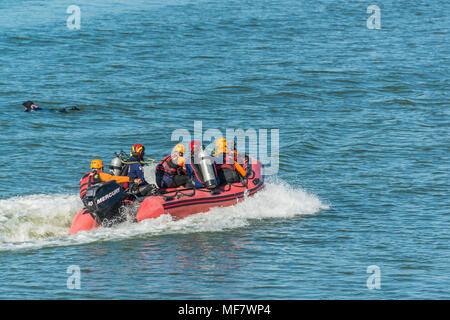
116, 166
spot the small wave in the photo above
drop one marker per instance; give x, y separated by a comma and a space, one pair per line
44, 220
403, 102
40, 216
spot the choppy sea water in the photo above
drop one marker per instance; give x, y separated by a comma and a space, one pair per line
362, 114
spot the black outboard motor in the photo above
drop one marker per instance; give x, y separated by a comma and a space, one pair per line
103, 201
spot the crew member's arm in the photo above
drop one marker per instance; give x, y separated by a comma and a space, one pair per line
181, 162
109, 177
189, 170
137, 170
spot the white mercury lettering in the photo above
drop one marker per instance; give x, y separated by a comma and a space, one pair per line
108, 196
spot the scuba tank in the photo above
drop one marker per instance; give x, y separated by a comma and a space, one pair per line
207, 169
116, 166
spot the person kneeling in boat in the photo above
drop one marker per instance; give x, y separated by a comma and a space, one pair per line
171, 171
97, 175
136, 171
228, 170
201, 169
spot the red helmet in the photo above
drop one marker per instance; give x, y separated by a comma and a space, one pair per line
137, 150
195, 145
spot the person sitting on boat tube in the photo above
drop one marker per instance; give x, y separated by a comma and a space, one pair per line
193, 169
228, 169
97, 175
171, 171
136, 170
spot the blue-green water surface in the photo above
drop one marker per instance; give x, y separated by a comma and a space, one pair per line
363, 120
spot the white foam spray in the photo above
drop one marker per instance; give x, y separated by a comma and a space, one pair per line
44, 220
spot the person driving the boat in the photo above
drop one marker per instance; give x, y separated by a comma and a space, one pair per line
136, 170
171, 171
97, 175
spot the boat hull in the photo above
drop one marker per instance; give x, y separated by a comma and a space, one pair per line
180, 203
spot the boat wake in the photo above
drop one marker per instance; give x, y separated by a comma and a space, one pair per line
42, 220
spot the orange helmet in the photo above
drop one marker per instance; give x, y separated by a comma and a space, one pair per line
179, 148
138, 150
97, 164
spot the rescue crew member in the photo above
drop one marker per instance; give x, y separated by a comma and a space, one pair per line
225, 160
97, 175
136, 170
171, 171
193, 169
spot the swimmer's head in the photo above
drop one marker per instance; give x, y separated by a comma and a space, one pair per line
28, 104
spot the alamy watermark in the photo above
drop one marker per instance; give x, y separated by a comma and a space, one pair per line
374, 21
74, 20
74, 280
254, 143
374, 280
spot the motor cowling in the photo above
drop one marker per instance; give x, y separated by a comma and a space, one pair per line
207, 169
103, 201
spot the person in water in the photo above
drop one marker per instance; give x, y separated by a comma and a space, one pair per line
193, 168
171, 171
31, 107
136, 170
97, 175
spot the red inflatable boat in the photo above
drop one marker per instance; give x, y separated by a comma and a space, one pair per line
179, 203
